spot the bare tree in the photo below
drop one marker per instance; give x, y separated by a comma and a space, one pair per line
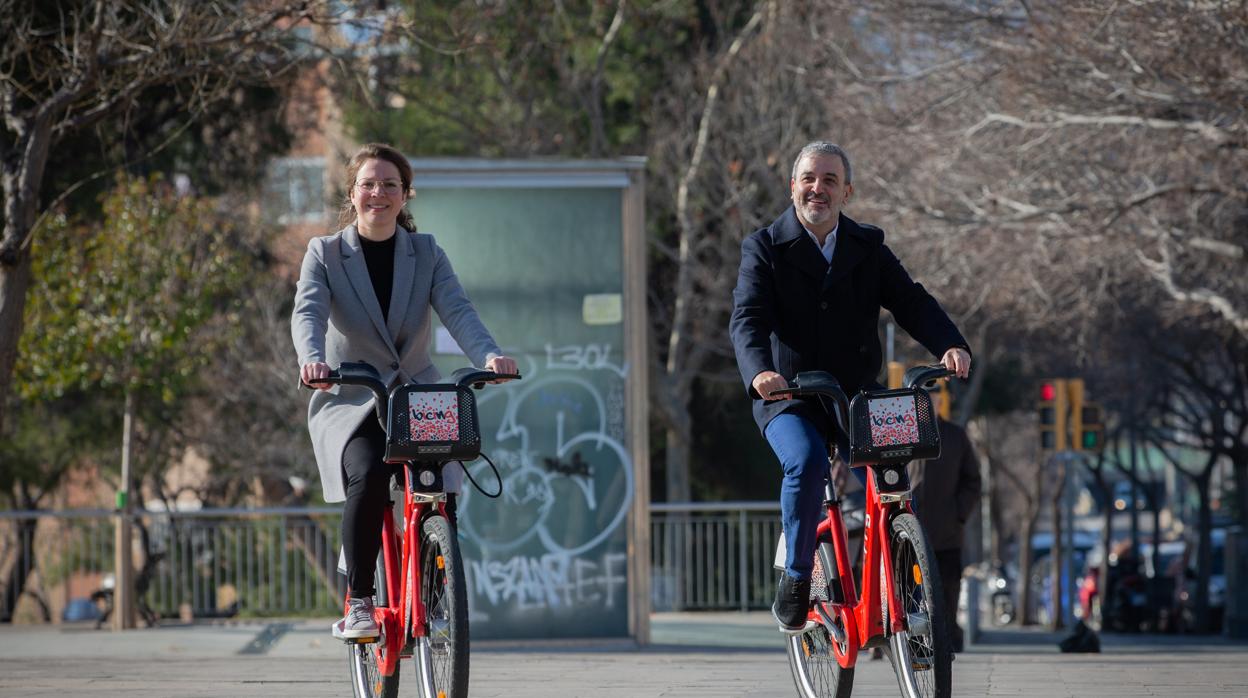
1010, 446
696, 277
726, 155
66, 68
1109, 135
1202, 404
248, 423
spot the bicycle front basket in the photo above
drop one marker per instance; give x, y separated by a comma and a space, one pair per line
893, 426
433, 423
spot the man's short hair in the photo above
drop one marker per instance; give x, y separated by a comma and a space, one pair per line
824, 148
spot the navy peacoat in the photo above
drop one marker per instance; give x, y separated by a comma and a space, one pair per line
793, 312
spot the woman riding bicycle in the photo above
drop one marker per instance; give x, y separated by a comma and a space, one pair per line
365, 294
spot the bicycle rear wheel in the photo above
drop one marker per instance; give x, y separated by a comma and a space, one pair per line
921, 654
812, 654
366, 678
443, 654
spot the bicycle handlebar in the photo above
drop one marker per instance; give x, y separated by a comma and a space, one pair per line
821, 384
923, 376
363, 373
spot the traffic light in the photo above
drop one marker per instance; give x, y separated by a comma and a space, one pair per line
1090, 435
1052, 410
1074, 402
1085, 419
895, 373
946, 404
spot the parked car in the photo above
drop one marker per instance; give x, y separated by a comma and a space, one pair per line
1041, 570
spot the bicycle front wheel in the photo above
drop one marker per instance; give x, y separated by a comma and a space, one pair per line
443, 656
920, 654
367, 680
812, 654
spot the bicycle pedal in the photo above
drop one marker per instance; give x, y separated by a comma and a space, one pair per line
921, 663
360, 640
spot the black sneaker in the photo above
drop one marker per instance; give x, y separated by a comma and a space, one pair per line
792, 604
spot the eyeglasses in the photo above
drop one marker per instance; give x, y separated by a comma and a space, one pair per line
389, 186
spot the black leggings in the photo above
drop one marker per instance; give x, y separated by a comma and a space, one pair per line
368, 483
368, 494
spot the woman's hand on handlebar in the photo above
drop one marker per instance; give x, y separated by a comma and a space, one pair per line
310, 372
502, 364
958, 361
767, 382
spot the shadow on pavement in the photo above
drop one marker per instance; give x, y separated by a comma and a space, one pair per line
1034, 639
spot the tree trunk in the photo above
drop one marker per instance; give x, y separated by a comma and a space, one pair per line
1239, 462
1154, 584
993, 485
22, 567
1204, 559
1057, 550
677, 455
1024, 568
1135, 497
14, 280
23, 161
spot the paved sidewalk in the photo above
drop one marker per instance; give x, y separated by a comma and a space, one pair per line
725, 654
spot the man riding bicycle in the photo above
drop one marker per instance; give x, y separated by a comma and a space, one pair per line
808, 297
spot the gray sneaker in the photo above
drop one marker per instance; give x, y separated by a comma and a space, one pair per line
358, 622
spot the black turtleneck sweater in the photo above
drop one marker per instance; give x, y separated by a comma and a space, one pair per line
380, 259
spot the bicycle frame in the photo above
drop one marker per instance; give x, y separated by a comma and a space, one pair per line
861, 616
404, 616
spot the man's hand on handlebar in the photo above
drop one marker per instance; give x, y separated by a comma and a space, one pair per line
309, 373
503, 365
767, 382
958, 361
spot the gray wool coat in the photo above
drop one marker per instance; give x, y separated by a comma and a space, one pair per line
337, 318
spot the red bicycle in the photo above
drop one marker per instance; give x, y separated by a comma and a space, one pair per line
422, 596
900, 607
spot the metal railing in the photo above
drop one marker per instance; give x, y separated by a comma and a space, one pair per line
713, 555
205, 563
283, 561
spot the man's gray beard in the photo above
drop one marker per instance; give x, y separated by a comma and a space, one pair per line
823, 216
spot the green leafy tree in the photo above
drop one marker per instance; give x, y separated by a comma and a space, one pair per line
95, 82
129, 313
575, 79
133, 311
138, 304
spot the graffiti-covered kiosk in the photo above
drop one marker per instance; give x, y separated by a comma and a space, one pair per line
553, 255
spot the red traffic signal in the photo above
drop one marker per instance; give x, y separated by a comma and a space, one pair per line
1052, 412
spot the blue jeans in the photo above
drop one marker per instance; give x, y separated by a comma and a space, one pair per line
803, 453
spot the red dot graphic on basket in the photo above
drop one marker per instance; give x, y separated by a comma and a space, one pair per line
433, 416
893, 421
